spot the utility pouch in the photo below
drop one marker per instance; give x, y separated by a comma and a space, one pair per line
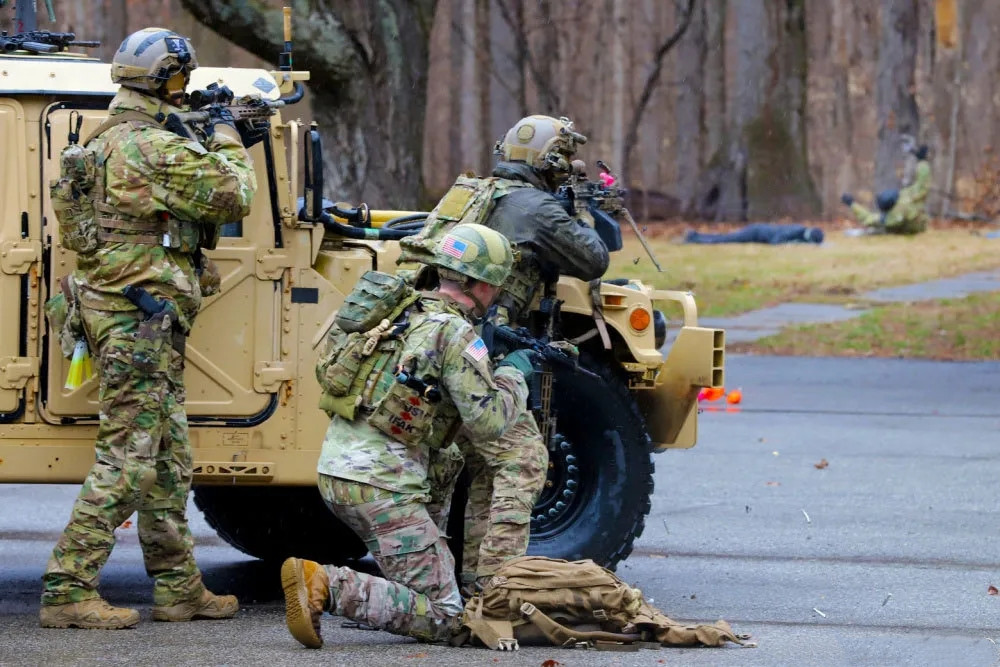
149, 351
404, 415
76, 216
341, 362
63, 314
377, 296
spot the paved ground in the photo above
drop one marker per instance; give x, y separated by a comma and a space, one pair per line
884, 557
757, 324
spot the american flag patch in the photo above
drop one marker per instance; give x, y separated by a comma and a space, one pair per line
454, 247
476, 349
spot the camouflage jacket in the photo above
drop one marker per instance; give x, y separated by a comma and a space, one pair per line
550, 242
150, 171
909, 215
441, 343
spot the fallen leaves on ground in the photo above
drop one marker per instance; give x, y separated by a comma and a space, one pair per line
992, 590
417, 655
551, 663
823, 463
773, 483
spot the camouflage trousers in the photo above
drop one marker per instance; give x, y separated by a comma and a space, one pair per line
507, 476
419, 595
902, 219
143, 464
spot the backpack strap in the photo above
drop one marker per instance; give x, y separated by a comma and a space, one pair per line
118, 119
560, 635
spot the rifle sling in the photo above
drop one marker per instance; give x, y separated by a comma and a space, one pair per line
118, 119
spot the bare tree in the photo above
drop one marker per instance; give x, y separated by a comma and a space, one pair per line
652, 80
762, 170
369, 64
895, 87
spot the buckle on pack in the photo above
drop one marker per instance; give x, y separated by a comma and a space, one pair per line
507, 644
600, 614
527, 609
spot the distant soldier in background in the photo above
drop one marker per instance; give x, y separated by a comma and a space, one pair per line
899, 211
159, 199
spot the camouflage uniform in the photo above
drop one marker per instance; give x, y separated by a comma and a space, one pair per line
508, 475
379, 486
143, 452
909, 215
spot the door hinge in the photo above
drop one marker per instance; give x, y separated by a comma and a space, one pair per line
16, 371
16, 257
268, 375
271, 263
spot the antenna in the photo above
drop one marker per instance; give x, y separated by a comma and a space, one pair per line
285, 59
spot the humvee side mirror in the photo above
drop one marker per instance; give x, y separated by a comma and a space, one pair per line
313, 204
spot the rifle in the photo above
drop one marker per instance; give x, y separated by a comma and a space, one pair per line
42, 41
502, 339
605, 202
216, 100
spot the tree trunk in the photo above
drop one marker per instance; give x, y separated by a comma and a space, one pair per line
690, 108
369, 65
895, 97
484, 76
762, 171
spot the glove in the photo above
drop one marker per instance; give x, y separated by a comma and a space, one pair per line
522, 360
921, 152
847, 199
218, 115
252, 133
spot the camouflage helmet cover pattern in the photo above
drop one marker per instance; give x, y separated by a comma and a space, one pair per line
542, 142
476, 252
147, 58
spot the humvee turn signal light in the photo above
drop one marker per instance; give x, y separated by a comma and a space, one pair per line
639, 319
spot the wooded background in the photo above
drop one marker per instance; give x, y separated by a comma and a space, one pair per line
760, 109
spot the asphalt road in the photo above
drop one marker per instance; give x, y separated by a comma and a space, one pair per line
883, 557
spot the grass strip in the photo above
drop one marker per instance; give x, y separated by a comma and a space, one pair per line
949, 329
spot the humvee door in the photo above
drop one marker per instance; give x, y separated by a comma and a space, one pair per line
230, 375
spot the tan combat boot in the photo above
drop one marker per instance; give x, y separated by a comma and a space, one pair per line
307, 596
94, 614
209, 605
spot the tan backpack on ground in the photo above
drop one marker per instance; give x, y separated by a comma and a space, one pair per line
576, 604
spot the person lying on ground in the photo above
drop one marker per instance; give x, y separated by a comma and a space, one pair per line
761, 232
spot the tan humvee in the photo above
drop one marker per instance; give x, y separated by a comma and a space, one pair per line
251, 390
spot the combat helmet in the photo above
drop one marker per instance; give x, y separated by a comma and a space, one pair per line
149, 57
474, 251
544, 143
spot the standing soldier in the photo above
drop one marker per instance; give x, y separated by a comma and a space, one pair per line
900, 211
162, 198
535, 158
425, 375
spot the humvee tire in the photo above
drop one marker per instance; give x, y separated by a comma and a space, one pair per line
601, 428
273, 523
603, 435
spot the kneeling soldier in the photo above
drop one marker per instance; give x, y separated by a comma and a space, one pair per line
423, 375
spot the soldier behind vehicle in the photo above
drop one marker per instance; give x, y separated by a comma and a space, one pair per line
157, 199
399, 387
535, 158
900, 211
